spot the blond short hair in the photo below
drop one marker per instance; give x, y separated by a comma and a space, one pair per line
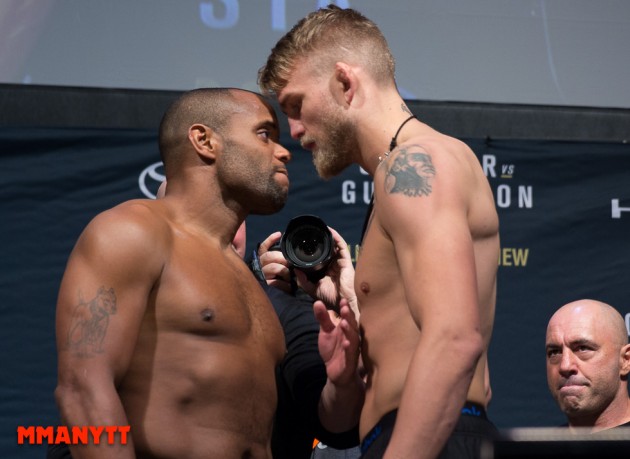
326, 36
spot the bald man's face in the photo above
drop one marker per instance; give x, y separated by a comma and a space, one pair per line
583, 361
253, 163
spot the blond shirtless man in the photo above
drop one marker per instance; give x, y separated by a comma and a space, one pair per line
160, 324
425, 280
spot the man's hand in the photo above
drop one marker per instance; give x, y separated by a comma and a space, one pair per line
339, 345
339, 342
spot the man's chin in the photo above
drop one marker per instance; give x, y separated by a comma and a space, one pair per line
571, 404
325, 170
325, 174
322, 173
269, 210
274, 203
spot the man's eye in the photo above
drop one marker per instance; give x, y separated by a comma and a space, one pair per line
294, 110
552, 352
265, 134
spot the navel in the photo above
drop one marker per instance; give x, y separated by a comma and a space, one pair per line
207, 315
365, 287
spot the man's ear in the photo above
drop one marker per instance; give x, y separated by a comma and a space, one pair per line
625, 360
345, 82
204, 140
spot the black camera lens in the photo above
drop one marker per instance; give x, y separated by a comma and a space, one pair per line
308, 245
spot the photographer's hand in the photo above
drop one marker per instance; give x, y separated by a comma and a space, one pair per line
273, 264
338, 283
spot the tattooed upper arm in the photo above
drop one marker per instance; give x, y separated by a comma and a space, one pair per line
106, 284
89, 322
410, 172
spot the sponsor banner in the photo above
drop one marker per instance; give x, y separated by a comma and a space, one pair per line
564, 210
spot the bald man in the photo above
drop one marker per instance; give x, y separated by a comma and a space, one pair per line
588, 361
161, 326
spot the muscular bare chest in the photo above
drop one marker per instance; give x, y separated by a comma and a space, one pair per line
379, 287
212, 293
377, 273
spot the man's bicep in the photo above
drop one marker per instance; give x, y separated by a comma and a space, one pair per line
436, 260
100, 306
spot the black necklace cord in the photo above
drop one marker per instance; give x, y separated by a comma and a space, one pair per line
393, 143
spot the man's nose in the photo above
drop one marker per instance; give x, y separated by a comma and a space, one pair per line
567, 363
282, 154
297, 129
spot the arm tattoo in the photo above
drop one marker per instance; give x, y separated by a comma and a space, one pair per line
89, 323
410, 174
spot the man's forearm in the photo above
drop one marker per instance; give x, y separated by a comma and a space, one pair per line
82, 408
340, 405
434, 393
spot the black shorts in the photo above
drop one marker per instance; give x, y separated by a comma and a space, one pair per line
472, 430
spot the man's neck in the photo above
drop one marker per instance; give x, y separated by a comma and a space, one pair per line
616, 414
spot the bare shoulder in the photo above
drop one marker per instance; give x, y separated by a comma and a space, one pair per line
412, 168
430, 158
135, 210
432, 178
139, 215
448, 153
135, 228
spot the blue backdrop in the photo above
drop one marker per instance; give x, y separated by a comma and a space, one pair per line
564, 211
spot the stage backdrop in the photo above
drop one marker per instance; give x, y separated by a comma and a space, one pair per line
565, 231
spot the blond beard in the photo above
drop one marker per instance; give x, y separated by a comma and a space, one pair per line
335, 151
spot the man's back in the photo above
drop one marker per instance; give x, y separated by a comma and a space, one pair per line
414, 269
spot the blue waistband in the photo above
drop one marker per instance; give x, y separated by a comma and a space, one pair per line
388, 421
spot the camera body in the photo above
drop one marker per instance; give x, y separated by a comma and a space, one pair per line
308, 245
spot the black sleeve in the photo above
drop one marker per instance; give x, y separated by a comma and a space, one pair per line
303, 373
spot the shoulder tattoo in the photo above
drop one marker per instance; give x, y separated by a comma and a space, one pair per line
89, 323
410, 173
